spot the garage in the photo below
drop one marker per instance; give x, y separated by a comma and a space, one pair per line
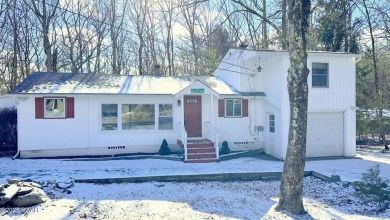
325, 134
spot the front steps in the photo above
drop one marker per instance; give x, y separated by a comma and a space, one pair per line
201, 151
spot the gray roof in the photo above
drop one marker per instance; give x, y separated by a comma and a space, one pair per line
79, 83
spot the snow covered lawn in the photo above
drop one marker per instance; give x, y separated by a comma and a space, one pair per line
197, 200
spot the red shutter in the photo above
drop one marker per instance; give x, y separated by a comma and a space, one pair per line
221, 108
39, 108
69, 108
245, 108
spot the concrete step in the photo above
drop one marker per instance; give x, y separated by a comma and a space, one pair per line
201, 150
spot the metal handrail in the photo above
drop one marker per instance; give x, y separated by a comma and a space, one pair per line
217, 145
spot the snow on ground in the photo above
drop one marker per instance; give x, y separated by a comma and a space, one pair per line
196, 200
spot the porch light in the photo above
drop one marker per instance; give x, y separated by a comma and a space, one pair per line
179, 102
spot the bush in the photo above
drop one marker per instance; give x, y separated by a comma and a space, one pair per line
164, 149
225, 148
8, 127
374, 189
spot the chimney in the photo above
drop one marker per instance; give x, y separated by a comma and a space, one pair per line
157, 69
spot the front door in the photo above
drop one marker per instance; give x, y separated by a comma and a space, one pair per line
193, 115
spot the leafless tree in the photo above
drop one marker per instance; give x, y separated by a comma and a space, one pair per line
45, 12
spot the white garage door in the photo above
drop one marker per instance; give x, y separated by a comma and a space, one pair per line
325, 134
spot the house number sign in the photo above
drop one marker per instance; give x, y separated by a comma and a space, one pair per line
197, 90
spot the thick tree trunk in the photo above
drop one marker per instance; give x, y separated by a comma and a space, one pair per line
292, 178
284, 24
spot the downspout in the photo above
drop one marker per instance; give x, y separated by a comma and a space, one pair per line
16, 155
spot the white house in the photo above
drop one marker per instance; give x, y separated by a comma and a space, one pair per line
245, 103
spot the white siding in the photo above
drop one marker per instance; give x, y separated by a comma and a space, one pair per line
242, 130
7, 101
83, 134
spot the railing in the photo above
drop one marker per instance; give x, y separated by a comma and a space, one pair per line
216, 144
212, 135
183, 139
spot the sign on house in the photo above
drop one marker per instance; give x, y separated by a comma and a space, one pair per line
197, 90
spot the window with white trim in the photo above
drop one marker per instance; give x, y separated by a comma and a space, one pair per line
165, 118
54, 108
109, 116
320, 75
271, 123
138, 117
233, 108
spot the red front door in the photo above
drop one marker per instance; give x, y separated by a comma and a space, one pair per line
193, 115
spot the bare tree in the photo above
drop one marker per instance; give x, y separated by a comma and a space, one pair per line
138, 13
369, 12
190, 12
291, 187
167, 9
45, 13
117, 35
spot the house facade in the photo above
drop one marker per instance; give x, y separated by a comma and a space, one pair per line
245, 103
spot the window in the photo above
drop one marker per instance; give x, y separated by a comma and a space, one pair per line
320, 75
272, 123
138, 117
109, 116
233, 107
54, 108
165, 119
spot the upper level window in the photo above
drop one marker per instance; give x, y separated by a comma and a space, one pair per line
233, 107
54, 108
320, 75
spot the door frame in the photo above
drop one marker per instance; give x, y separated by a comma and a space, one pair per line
199, 97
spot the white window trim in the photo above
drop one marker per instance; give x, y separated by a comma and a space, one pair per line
233, 108
269, 123
119, 118
327, 75
157, 110
120, 115
44, 108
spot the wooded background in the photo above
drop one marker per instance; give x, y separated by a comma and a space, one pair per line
189, 38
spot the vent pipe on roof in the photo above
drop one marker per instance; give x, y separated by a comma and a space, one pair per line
157, 69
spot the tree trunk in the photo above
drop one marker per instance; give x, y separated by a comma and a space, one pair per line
264, 26
378, 89
284, 24
293, 171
